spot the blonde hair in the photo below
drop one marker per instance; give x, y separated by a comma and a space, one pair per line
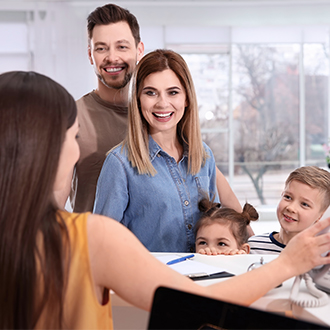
188, 129
315, 178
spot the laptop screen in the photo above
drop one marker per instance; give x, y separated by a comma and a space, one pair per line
173, 309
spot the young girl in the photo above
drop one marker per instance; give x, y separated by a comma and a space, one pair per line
223, 230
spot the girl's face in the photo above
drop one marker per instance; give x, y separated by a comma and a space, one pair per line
163, 101
69, 156
217, 238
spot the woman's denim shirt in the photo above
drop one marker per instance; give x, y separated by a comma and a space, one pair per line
161, 210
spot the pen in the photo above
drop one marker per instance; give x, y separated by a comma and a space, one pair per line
175, 261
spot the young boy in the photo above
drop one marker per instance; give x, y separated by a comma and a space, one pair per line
304, 200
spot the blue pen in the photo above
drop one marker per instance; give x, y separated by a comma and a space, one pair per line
175, 261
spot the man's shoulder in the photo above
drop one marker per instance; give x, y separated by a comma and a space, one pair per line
92, 102
87, 98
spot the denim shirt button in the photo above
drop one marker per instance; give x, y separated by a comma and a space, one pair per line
186, 203
190, 226
191, 249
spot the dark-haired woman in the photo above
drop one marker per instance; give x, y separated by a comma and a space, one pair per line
57, 267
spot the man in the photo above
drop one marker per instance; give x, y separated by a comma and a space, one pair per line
114, 48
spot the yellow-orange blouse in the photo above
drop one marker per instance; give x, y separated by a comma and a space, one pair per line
81, 307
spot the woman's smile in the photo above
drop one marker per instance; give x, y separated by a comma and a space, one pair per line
163, 101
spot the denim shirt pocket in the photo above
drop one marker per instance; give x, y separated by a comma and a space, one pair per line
203, 186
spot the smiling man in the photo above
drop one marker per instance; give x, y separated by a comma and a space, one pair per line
114, 48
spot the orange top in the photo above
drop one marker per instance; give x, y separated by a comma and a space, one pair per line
81, 307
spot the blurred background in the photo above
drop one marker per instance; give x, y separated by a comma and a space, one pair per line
261, 72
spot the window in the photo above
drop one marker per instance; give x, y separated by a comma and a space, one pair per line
279, 102
210, 75
15, 54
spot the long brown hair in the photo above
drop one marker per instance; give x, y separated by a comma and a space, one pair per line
238, 221
188, 129
35, 113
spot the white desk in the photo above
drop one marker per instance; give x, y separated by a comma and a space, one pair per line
277, 300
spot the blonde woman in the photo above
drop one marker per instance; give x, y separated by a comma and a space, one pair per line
152, 182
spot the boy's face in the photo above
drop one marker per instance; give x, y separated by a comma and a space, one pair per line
216, 239
300, 206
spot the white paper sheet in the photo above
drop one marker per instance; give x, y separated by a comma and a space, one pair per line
190, 266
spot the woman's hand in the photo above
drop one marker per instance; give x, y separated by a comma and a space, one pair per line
304, 251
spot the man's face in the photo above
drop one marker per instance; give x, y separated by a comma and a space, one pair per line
113, 54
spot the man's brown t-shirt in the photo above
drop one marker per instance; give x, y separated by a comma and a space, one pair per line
102, 126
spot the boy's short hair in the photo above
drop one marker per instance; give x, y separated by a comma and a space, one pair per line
314, 177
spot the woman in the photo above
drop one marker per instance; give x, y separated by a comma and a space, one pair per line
153, 181
57, 267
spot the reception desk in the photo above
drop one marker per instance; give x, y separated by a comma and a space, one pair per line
277, 300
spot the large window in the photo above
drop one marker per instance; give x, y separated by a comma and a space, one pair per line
266, 116
210, 75
277, 97
316, 68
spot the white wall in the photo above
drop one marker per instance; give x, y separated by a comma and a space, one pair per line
57, 40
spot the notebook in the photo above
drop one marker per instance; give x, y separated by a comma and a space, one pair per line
195, 270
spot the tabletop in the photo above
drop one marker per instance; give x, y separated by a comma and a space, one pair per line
276, 300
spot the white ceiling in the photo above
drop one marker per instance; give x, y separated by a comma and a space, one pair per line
201, 12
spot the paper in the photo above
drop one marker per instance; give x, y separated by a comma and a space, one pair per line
190, 266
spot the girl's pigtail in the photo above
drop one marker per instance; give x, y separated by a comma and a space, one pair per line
250, 213
207, 206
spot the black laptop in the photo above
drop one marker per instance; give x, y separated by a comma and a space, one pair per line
173, 309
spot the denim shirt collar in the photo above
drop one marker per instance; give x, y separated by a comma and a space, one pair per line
155, 149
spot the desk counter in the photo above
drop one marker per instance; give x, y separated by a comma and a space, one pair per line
277, 300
